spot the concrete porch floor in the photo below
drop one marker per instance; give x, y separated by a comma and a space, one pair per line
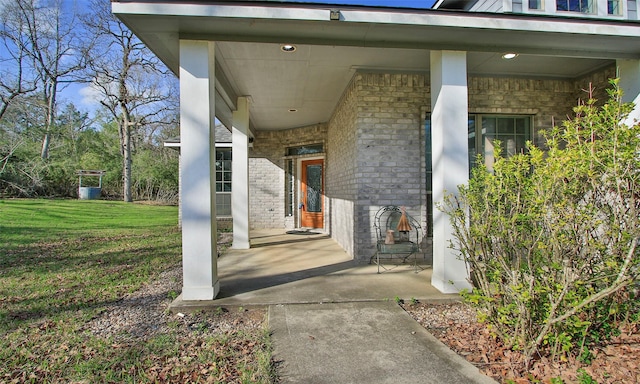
334, 320
283, 268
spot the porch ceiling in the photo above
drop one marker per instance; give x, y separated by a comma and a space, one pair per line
312, 79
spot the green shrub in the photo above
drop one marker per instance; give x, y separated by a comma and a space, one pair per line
550, 236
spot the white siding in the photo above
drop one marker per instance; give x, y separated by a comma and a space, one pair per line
632, 10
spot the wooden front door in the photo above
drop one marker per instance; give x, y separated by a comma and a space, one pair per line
312, 212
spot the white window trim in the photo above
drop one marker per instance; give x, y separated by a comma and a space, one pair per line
549, 8
224, 145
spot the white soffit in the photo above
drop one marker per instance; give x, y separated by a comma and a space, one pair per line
312, 79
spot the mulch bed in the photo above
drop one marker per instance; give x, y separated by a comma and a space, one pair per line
456, 325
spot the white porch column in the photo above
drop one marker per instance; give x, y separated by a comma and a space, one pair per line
449, 116
197, 122
240, 175
629, 73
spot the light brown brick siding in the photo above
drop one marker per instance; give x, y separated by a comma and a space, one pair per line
374, 145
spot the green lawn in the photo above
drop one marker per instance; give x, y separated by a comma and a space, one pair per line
61, 263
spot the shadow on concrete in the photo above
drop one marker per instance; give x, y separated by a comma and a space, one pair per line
285, 269
240, 285
289, 241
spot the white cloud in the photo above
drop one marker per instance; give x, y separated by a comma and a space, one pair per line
89, 96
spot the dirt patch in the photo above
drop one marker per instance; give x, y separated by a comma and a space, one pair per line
218, 345
456, 325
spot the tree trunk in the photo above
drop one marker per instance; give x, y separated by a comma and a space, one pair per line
126, 158
46, 140
50, 97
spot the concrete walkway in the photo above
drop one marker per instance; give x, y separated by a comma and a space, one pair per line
372, 342
335, 320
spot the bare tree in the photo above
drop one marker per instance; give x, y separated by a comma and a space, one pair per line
51, 37
131, 80
16, 77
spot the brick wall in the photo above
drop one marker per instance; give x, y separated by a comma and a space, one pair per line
341, 187
374, 146
547, 100
389, 163
266, 173
390, 156
599, 82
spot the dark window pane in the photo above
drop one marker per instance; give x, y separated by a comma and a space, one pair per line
488, 126
289, 188
505, 126
584, 6
314, 188
521, 143
223, 204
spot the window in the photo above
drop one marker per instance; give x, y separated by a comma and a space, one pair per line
613, 7
536, 5
223, 204
484, 130
289, 188
584, 6
305, 150
429, 179
472, 143
223, 181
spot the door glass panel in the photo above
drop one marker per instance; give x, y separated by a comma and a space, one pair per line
314, 188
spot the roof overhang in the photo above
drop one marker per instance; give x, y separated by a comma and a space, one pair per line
330, 49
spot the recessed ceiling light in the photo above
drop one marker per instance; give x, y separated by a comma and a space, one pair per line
288, 48
293, 110
509, 55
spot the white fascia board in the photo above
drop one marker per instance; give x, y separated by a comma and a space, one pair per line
495, 22
378, 16
221, 11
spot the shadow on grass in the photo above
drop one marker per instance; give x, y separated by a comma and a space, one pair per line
56, 282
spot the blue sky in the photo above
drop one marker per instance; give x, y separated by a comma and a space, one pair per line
386, 3
81, 95
425, 4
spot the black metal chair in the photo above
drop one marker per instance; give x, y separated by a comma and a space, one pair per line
396, 236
